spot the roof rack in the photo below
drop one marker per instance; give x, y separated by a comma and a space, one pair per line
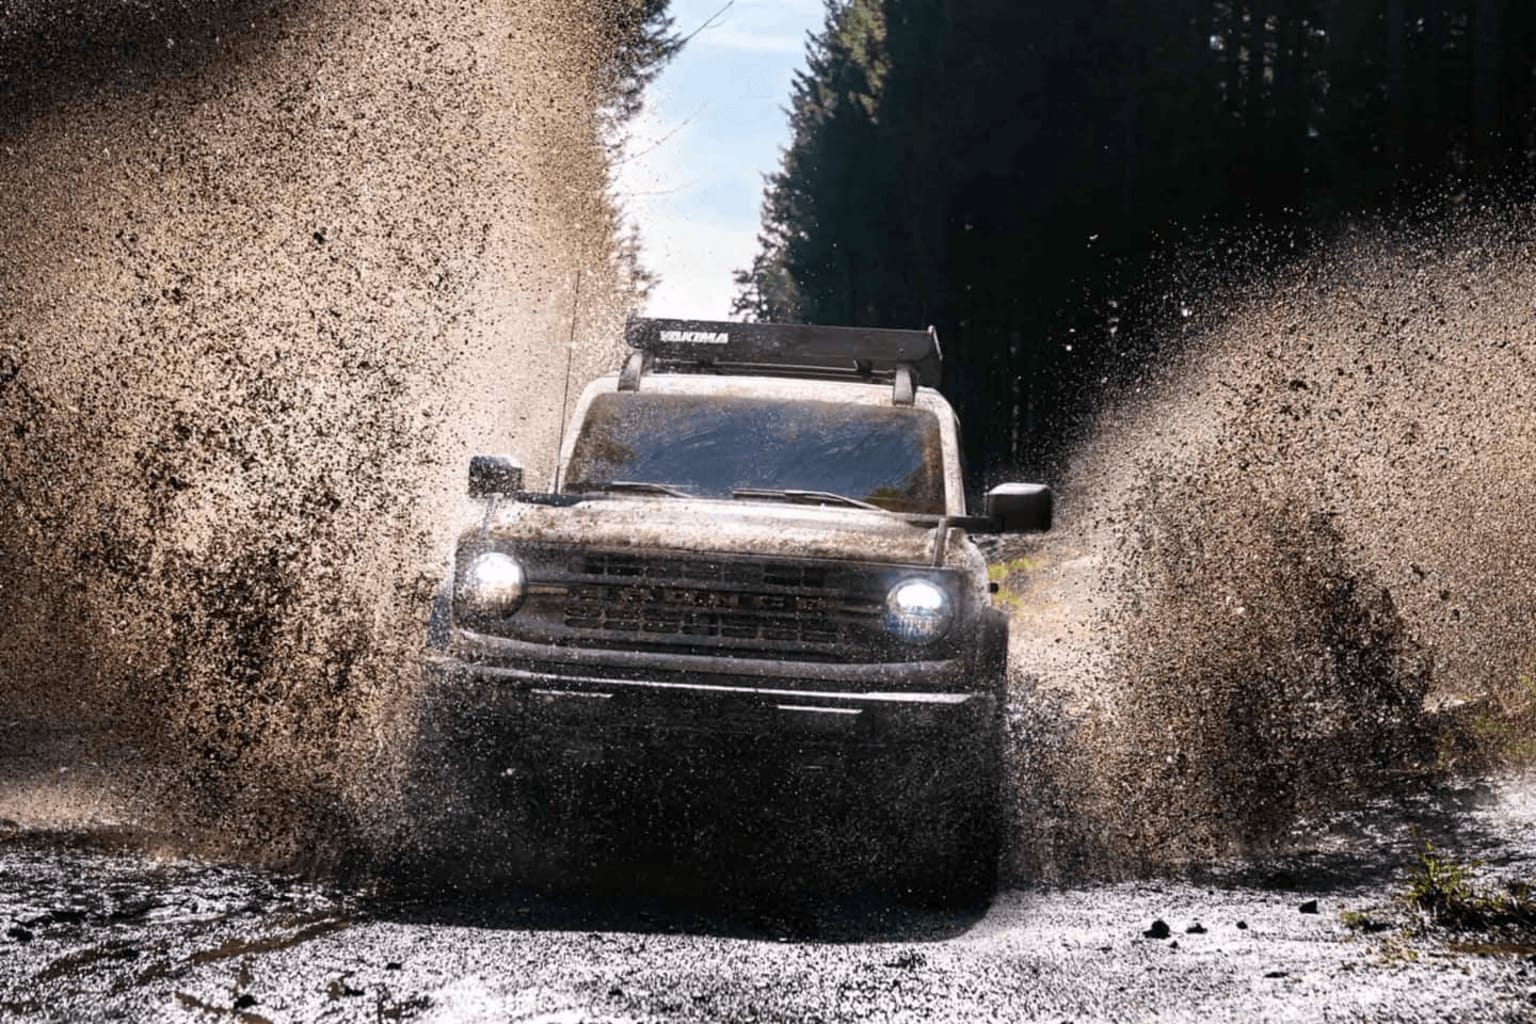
905, 358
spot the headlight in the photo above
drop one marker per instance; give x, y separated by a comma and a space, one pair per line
492, 587
917, 611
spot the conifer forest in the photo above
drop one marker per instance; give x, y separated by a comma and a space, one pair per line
1034, 178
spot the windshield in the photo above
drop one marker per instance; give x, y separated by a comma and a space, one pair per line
710, 446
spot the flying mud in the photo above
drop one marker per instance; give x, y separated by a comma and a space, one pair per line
1294, 569
269, 273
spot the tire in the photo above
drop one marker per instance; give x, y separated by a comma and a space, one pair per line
952, 862
463, 824
955, 865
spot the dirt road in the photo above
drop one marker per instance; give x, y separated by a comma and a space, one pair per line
95, 934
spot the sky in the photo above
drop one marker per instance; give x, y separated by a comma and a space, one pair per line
714, 125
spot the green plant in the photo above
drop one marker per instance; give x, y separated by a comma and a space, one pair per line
1503, 737
1445, 893
1000, 575
1444, 890
1528, 683
999, 572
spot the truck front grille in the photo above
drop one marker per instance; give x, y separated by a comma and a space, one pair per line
781, 606
703, 613
775, 574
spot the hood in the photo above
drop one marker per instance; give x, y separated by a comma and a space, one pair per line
727, 527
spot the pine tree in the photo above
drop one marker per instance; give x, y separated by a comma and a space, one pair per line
1020, 173
642, 43
820, 210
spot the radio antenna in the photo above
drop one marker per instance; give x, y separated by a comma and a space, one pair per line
570, 358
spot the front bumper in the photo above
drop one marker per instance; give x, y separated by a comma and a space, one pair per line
768, 779
604, 703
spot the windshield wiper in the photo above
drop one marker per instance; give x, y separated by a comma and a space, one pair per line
637, 487
803, 497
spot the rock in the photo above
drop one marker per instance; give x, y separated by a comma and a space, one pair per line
19, 933
1242, 925
1278, 974
244, 1001
1159, 930
1195, 929
340, 989
1309, 907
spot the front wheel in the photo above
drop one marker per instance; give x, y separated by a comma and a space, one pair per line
954, 860
953, 848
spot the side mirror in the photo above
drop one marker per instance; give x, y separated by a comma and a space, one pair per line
494, 474
1021, 508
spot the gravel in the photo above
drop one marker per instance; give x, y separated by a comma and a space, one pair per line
97, 933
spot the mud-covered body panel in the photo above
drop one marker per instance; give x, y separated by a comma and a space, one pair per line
723, 528
565, 711
701, 598
725, 577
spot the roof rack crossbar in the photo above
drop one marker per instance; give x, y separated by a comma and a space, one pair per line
868, 353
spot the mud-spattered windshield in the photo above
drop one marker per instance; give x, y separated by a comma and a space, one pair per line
711, 446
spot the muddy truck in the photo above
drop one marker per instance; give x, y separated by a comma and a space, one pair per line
743, 639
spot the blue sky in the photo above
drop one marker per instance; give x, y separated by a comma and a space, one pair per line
692, 176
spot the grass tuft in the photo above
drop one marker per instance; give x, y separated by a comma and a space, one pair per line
1443, 892
1002, 574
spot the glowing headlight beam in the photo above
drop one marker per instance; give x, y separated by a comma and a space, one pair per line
492, 587
917, 611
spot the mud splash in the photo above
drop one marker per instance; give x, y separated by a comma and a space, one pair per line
1295, 567
269, 273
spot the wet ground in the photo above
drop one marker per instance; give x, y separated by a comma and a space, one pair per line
95, 929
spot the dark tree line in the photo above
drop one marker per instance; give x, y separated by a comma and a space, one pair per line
1009, 171
640, 41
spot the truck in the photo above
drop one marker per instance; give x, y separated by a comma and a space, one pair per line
747, 618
